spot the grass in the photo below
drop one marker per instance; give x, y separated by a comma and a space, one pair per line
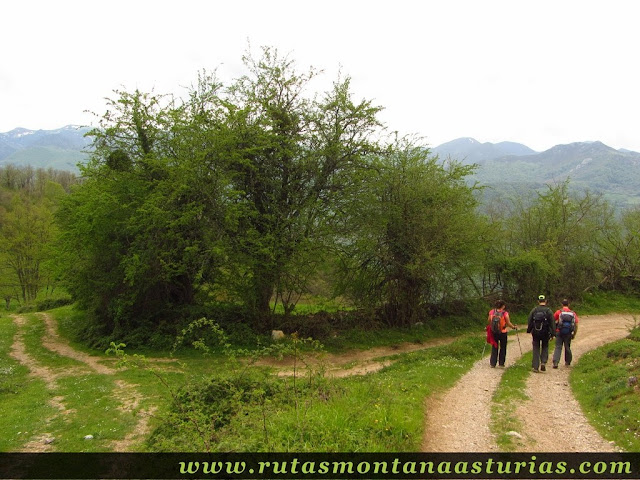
377, 412
601, 303
601, 383
507, 396
364, 339
92, 402
253, 411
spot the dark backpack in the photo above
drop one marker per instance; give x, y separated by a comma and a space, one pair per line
540, 323
567, 322
496, 321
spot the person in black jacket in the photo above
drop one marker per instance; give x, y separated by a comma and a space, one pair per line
541, 326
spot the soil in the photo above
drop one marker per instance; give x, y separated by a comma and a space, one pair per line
456, 421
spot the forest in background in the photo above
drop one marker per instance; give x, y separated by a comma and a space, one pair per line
244, 201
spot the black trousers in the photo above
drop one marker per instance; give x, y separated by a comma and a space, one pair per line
499, 355
540, 351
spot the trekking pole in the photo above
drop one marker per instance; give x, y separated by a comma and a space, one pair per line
518, 337
485, 346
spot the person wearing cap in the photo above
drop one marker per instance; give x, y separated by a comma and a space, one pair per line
541, 325
566, 329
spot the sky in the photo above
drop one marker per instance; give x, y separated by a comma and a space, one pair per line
540, 72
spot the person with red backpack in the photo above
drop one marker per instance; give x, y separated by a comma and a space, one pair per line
497, 329
541, 325
566, 329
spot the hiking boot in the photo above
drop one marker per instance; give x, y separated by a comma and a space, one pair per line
543, 368
534, 370
501, 365
567, 364
555, 365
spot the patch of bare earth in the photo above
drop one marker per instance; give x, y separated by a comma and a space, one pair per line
459, 419
129, 399
126, 394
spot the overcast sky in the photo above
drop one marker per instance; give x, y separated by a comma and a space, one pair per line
540, 72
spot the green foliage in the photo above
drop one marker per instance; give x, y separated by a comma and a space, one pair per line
618, 253
547, 244
413, 241
522, 275
27, 229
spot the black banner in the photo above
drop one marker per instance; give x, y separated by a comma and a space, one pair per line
319, 465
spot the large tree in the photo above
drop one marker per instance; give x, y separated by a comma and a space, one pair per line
290, 159
414, 236
228, 194
136, 241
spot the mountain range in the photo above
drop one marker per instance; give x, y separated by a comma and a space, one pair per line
514, 168
60, 149
506, 166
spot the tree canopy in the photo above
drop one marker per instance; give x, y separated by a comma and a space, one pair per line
248, 193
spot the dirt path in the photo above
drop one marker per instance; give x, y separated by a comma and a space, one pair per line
125, 394
458, 421
355, 362
54, 343
42, 442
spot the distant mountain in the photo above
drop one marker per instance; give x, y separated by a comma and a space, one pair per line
469, 150
60, 149
588, 165
505, 167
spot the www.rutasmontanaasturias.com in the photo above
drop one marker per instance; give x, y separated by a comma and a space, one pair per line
402, 468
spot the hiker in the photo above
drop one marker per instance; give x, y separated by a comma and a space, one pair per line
497, 331
566, 329
541, 326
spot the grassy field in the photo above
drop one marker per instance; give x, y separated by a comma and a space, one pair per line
197, 401
605, 382
215, 402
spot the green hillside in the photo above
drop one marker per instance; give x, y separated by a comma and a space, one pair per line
47, 157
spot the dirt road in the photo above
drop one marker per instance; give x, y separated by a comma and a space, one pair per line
458, 421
